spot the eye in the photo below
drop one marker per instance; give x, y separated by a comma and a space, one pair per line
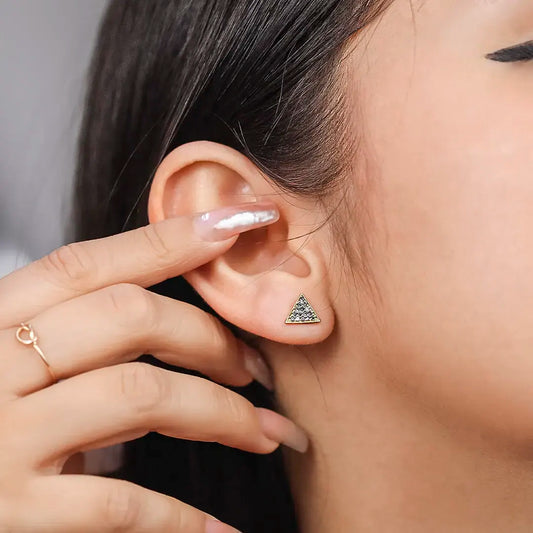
519, 52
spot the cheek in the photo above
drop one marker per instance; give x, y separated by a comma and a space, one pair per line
455, 261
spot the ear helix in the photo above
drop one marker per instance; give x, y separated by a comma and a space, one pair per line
302, 312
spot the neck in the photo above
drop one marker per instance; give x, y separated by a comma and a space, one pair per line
379, 462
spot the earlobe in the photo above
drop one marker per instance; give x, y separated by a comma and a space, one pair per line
257, 283
263, 303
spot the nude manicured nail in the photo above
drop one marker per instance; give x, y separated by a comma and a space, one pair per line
256, 365
213, 525
280, 429
221, 224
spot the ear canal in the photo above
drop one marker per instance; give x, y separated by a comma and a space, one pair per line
302, 312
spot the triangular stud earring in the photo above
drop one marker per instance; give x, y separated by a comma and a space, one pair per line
302, 312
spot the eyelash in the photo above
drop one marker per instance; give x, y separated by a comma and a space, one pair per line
520, 52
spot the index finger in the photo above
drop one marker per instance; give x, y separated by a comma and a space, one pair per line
144, 256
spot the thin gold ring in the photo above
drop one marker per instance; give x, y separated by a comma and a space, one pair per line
26, 326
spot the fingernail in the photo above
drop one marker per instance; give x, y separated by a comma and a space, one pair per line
214, 525
256, 365
280, 429
221, 224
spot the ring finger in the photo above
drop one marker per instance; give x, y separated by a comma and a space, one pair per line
136, 398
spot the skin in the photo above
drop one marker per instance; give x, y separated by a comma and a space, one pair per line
92, 316
422, 418
417, 396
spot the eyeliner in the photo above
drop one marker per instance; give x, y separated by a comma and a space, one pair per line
520, 52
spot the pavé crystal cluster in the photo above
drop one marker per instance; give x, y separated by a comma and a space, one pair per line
302, 312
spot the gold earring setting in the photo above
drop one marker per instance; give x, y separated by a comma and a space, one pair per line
302, 312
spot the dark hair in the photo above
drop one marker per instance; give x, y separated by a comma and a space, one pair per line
260, 76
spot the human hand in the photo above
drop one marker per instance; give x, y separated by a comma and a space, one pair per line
88, 304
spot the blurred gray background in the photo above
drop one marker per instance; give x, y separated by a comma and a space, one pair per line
45, 47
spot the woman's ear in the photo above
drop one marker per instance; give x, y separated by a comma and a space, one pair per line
256, 283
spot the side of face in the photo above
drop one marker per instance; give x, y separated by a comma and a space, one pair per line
449, 136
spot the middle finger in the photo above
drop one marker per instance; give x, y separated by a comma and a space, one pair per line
117, 324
